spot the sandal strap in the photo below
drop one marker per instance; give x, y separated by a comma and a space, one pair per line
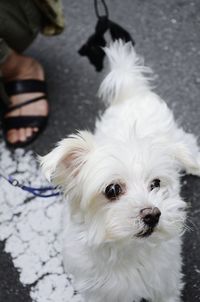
25, 86
25, 103
17, 122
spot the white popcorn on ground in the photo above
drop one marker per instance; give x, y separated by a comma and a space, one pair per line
31, 227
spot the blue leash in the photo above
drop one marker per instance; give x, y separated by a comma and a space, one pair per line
44, 192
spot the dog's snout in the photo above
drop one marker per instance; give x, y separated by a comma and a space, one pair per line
150, 216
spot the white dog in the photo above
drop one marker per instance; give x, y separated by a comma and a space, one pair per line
124, 216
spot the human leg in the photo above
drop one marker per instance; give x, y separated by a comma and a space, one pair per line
20, 22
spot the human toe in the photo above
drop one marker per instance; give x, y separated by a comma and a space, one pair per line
12, 136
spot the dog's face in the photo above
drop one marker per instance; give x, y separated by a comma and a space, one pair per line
120, 190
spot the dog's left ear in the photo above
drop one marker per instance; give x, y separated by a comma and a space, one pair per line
186, 152
65, 161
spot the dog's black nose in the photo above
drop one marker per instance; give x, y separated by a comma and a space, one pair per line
150, 216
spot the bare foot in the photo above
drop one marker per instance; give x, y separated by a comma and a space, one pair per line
18, 67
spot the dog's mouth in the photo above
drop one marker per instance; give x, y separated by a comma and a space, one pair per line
145, 233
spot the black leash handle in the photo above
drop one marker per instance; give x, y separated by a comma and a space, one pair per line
93, 48
96, 8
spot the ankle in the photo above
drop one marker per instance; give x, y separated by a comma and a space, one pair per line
11, 65
19, 66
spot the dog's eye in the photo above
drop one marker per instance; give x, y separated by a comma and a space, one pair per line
155, 184
113, 191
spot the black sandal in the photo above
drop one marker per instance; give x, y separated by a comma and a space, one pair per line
28, 121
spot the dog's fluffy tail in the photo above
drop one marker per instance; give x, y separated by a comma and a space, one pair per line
127, 76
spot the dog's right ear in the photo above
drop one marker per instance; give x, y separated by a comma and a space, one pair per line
65, 161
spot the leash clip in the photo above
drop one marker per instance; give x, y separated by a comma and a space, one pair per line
14, 182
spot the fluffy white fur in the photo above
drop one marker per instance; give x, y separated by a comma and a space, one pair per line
135, 141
